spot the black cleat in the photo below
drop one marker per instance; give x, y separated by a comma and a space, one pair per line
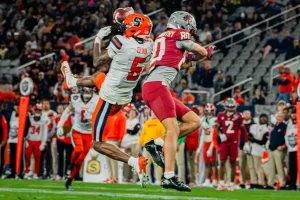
269, 188
156, 153
69, 185
173, 183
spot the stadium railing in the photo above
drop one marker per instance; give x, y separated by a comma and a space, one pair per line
33, 61
259, 27
197, 92
91, 39
293, 63
248, 80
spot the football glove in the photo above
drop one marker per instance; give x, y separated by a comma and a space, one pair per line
60, 132
103, 32
210, 51
247, 148
223, 138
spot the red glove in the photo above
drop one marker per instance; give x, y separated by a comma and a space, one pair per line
210, 51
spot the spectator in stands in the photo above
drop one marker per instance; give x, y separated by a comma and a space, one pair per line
257, 136
271, 8
228, 83
188, 98
32, 43
238, 97
259, 98
30, 22
272, 44
217, 30
73, 40
205, 33
294, 98
161, 26
42, 84
285, 81
294, 50
240, 36
227, 7
206, 78
180, 88
291, 142
12, 51
276, 152
287, 43
297, 79
219, 83
59, 91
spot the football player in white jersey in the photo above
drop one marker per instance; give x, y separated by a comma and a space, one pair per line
207, 145
35, 141
129, 54
82, 106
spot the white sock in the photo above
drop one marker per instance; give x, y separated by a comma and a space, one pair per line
73, 82
221, 182
132, 161
159, 141
168, 175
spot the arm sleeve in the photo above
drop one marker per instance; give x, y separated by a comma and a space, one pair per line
201, 140
215, 138
64, 117
4, 127
114, 46
99, 80
185, 44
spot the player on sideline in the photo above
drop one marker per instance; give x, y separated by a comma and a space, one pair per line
82, 105
168, 58
231, 123
129, 54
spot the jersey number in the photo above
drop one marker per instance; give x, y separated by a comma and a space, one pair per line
83, 120
159, 48
135, 70
229, 124
35, 130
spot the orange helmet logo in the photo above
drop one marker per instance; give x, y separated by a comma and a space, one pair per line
137, 25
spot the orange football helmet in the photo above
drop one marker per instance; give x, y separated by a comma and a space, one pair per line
209, 109
137, 25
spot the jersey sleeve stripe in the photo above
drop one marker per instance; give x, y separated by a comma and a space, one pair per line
117, 43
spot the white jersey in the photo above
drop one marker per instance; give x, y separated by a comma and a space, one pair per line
129, 59
14, 128
258, 131
37, 131
83, 113
207, 127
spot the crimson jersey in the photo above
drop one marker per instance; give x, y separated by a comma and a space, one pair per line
230, 125
166, 52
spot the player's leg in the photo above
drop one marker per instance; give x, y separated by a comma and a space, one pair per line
224, 152
75, 165
101, 122
37, 157
28, 152
208, 171
233, 155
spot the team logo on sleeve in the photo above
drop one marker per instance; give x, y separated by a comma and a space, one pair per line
93, 165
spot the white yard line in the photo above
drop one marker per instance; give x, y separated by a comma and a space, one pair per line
102, 193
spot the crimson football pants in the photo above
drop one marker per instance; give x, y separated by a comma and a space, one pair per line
33, 147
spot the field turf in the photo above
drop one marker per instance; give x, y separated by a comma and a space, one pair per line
48, 190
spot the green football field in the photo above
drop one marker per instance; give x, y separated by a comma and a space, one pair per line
31, 190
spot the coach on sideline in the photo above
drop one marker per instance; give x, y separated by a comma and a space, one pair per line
276, 152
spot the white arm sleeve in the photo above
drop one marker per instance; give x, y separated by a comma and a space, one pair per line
201, 140
64, 117
45, 131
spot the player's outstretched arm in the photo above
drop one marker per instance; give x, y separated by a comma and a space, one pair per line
100, 58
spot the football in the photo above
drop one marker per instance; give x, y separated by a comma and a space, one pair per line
121, 13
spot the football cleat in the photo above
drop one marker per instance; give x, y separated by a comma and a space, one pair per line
140, 170
173, 183
221, 187
107, 180
35, 177
113, 180
69, 185
156, 153
230, 188
66, 71
207, 184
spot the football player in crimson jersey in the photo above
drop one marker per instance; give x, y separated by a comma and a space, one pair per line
82, 105
129, 54
169, 56
231, 123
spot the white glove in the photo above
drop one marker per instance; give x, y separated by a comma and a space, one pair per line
103, 32
223, 137
26, 144
247, 148
60, 132
42, 146
209, 153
